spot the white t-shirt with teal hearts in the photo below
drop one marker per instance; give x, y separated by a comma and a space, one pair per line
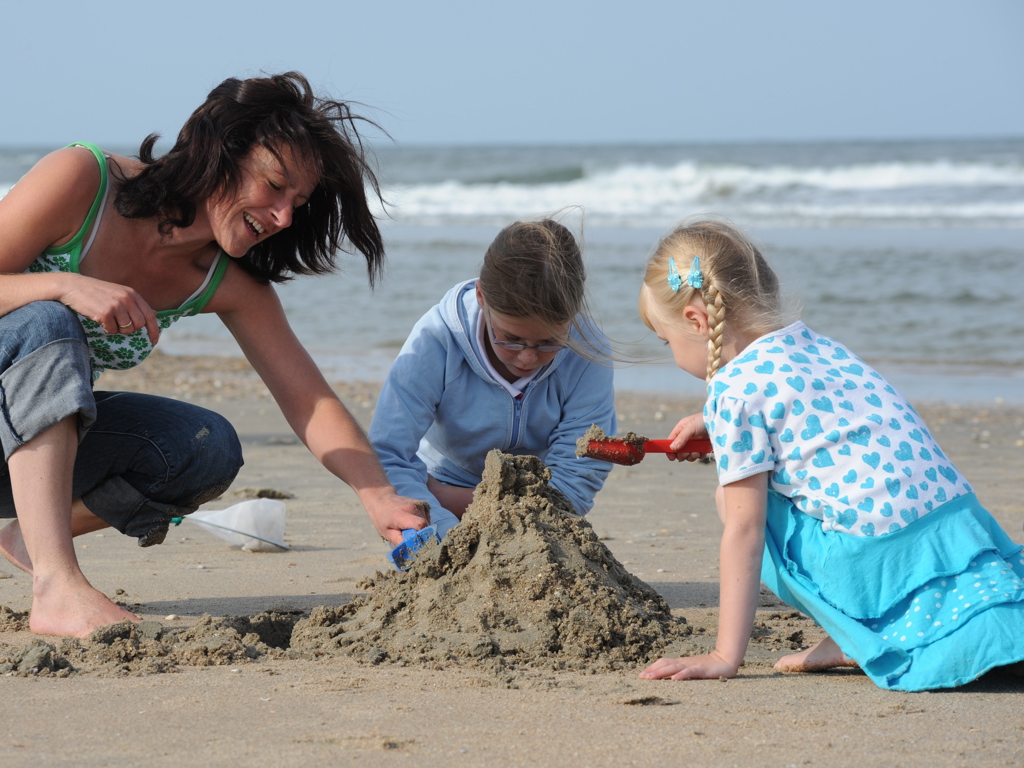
837, 438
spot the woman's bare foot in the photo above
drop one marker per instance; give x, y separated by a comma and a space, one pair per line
823, 655
12, 547
72, 608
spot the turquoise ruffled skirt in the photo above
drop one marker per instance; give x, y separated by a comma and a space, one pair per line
933, 605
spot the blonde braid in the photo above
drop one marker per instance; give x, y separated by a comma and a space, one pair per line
732, 273
716, 327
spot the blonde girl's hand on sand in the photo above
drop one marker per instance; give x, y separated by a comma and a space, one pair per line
687, 428
710, 665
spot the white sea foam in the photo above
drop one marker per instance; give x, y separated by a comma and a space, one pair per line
835, 185
644, 195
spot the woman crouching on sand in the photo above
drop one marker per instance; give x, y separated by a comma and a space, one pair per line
100, 253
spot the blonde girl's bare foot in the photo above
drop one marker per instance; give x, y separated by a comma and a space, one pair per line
73, 609
823, 655
12, 547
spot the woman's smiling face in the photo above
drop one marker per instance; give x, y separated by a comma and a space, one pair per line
269, 190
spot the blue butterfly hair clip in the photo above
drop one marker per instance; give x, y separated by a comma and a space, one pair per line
675, 280
696, 278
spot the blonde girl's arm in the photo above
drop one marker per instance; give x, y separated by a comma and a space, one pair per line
740, 554
46, 208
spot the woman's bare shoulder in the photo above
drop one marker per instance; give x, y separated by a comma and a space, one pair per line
49, 203
71, 166
75, 174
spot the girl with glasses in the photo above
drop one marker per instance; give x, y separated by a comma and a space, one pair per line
511, 361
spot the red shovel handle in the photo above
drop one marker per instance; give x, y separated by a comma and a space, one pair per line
694, 445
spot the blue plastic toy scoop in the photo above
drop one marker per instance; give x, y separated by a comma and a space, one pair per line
403, 555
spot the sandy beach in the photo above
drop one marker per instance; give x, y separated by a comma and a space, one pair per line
284, 707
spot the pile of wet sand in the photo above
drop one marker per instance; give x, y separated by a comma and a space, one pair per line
521, 581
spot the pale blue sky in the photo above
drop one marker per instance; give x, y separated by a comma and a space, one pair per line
529, 71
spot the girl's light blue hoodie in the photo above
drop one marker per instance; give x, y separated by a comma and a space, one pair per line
440, 412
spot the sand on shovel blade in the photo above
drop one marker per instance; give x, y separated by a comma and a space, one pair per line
521, 581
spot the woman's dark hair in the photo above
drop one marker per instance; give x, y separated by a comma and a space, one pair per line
239, 115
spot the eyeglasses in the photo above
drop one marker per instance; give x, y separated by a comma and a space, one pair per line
517, 346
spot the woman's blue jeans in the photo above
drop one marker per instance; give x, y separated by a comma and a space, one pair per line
142, 460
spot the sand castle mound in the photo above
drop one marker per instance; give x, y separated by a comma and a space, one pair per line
522, 580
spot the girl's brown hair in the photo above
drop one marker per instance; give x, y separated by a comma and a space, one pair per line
737, 282
535, 269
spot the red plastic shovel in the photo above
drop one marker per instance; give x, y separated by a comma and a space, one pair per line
628, 453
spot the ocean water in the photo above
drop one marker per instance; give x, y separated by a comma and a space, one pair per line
910, 253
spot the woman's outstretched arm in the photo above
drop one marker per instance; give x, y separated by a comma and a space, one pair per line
253, 314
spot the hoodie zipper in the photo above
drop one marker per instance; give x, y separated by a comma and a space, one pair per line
517, 409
